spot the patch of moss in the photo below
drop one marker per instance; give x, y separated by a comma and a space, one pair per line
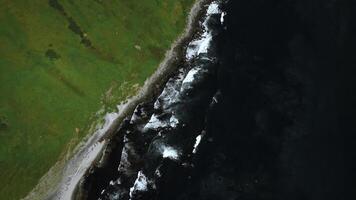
3, 123
52, 54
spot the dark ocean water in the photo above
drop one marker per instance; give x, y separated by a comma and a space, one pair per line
272, 102
285, 124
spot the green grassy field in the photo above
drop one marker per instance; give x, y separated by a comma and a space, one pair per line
63, 60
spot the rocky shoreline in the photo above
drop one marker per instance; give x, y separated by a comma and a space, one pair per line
90, 150
162, 128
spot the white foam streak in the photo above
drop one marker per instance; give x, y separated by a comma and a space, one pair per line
197, 142
222, 18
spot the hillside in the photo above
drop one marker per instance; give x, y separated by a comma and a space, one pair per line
65, 63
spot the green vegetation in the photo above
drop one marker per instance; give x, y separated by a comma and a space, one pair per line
63, 60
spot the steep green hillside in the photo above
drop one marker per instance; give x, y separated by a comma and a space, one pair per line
63, 60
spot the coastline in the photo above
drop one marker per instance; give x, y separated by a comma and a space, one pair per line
61, 181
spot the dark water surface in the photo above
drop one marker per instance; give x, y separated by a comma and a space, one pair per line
285, 123
272, 103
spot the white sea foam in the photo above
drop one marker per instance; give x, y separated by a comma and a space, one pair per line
197, 142
173, 121
155, 123
140, 184
190, 76
213, 8
202, 44
169, 152
222, 18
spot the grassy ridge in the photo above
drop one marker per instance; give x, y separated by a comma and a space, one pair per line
60, 62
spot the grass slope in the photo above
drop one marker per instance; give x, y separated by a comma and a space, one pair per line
63, 60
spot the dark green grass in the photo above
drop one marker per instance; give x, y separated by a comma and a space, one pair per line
60, 63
